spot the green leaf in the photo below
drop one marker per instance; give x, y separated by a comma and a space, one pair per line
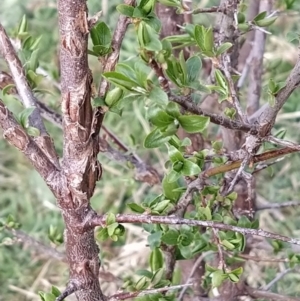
233, 277
175, 155
190, 168
120, 80
101, 35
110, 219
142, 284
260, 16
161, 206
193, 65
223, 48
113, 96
136, 208
159, 117
266, 22
102, 234
147, 6
154, 239
217, 278
145, 273
111, 228
158, 96
157, 277
6, 89
170, 237
173, 110
155, 139
23, 116
193, 123
32, 131
98, 102
200, 36
169, 188
100, 50
209, 40
49, 297
221, 80
228, 245
23, 26
125, 9
156, 259
55, 291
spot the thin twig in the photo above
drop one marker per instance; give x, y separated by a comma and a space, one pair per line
29, 100
124, 296
193, 270
100, 220
32, 242
261, 294
279, 205
276, 279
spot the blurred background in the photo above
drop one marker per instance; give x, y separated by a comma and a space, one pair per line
24, 271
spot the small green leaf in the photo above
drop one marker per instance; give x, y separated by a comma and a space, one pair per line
7, 88
32, 131
55, 291
101, 35
136, 208
233, 277
221, 80
110, 219
193, 65
223, 48
154, 239
157, 277
156, 259
175, 155
120, 80
158, 96
217, 278
111, 228
190, 168
266, 22
260, 16
159, 117
126, 10
155, 139
23, 26
169, 187
170, 237
193, 123
98, 102
49, 297
228, 245
23, 116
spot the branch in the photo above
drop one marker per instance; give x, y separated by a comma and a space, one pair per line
171, 220
194, 268
17, 136
33, 243
256, 65
112, 58
268, 116
260, 294
279, 205
187, 103
277, 278
143, 172
8, 52
257, 158
212, 9
124, 296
